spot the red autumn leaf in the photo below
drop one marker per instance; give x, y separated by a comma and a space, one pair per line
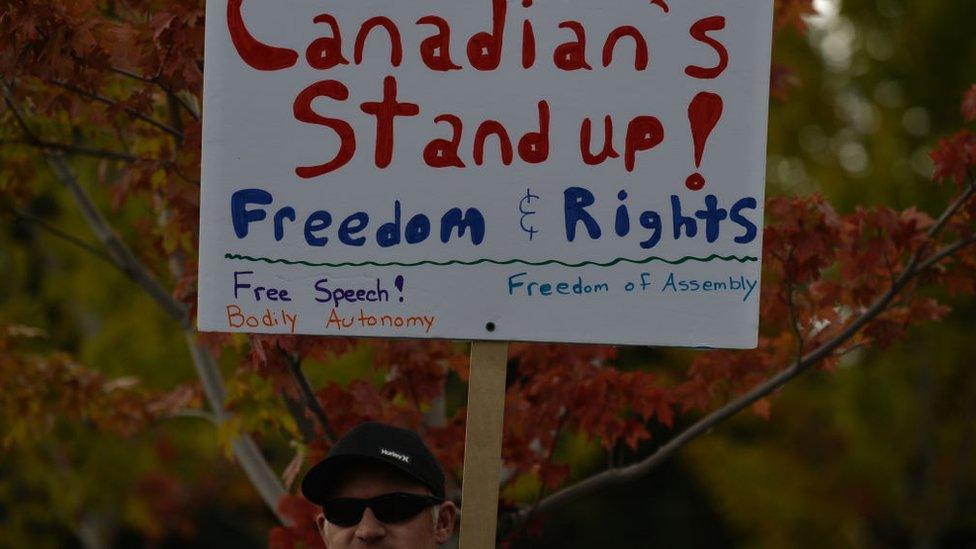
954, 157
969, 105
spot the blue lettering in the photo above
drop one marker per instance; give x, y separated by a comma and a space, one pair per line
240, 285
670, 283
513, 283
470, 220
688, 223
712, 216
353, 224
318, 221
242, 216
389, 233
418, 229
320, 287
279, 221
652, 221
747, 203
577, 199
622, 224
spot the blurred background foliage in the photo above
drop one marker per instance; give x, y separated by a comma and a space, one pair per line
882, 452
879, 453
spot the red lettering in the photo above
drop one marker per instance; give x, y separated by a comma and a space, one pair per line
304, 113
326, 52
586, 142
436, 50
487, 128
571, 56
528, 45
396, 44
534, 146
385, 112
441, 153
485, 48
256, 54
643, 134
641, 56
699, 31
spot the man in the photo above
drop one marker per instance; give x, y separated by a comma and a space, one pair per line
380, 487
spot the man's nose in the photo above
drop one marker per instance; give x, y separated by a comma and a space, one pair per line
370, 529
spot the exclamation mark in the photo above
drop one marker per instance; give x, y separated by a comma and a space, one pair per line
704, 113
398, 282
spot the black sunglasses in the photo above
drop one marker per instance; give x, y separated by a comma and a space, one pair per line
388, 508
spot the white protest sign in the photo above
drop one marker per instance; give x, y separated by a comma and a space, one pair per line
560, 170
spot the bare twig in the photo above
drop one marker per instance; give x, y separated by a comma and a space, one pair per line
196, 414
133, 75
75, 150
308, 397
946, 252
852, 349
916, 266
139, 115
297, 410
953, 208
69, 238
8, 98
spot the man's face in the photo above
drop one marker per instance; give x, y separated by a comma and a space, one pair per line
366, 481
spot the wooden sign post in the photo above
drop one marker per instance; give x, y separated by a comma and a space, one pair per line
483, 444
577, 171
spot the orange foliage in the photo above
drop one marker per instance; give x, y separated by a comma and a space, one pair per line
133, 75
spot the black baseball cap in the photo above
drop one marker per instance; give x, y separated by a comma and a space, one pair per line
381, 443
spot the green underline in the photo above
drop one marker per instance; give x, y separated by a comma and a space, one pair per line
618, 261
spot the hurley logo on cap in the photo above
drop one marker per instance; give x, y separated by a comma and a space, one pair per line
397, 455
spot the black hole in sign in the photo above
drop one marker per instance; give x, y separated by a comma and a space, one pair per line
490, 326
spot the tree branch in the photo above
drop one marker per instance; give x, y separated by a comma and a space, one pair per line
297, 410
308, 397
953, 209
132, 75
626, 474
58, 233
120, 252
196, 414
944, 253
249, 456
128, 110
76, 150
194, 112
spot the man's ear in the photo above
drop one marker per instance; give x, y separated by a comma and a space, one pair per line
320, 524
446, 518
